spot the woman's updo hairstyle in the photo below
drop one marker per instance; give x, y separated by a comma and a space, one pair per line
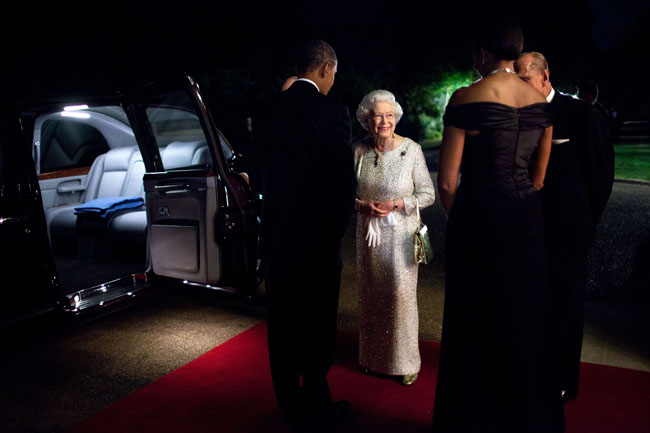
502, 37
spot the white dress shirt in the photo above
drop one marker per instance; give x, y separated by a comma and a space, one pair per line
551, 95
549, 98
309, 81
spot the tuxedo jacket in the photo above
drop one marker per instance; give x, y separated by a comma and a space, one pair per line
600, 159
308, 173
580, 169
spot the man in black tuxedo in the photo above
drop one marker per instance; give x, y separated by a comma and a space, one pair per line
308, 195
576, 188
601, 131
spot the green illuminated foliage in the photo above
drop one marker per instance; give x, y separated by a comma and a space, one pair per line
427, 101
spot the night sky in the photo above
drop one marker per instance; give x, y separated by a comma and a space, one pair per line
65, 43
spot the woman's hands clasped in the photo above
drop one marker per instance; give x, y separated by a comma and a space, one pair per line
377, 209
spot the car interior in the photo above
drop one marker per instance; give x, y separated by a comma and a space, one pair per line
88, 157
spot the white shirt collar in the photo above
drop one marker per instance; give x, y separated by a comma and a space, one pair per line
551, 95
309, 81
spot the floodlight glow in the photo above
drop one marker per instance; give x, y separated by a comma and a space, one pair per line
75, 115
75, 107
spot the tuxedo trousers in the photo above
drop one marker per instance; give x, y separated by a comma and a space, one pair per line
568, 235
302, 295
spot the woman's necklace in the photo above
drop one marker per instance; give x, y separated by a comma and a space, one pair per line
383, 152
501, 70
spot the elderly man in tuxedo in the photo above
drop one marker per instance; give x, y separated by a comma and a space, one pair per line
578, 182
309, 189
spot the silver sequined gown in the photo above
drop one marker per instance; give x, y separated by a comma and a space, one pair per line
387, 274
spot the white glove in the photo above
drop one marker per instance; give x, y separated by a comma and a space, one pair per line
388, 220
374, 232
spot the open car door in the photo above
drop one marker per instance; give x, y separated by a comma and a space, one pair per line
202, 222
29, 284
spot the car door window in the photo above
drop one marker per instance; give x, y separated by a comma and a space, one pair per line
180, 138
67, 144
75, 136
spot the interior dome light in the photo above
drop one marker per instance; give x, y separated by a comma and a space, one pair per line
75, 114
75, 107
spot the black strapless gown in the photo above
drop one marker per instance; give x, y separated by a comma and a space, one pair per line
497, 362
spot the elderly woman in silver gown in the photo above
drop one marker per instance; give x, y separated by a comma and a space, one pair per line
393, 179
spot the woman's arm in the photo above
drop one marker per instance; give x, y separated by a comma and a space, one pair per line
540, 162
424, 194
371, 208
451, 155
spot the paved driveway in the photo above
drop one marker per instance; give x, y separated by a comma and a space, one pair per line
620, 259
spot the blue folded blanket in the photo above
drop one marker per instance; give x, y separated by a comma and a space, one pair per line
103, 207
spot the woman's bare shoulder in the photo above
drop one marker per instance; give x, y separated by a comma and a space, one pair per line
507, 89
526, 93
463, 95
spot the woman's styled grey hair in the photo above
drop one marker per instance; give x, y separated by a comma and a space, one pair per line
368, 104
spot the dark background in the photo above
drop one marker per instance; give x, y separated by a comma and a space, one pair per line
241, 51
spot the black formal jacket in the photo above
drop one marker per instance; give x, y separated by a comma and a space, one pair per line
601, 160
308, 174
579, 176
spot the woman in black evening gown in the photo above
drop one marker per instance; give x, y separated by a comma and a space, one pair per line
496, 365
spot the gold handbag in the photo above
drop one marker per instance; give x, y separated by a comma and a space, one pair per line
423, 251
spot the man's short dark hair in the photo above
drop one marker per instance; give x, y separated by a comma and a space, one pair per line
314, 54
502, 37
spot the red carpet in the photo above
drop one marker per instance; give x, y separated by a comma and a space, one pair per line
229, 390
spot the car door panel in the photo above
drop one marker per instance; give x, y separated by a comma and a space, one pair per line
63, 190
202, 219
180, 211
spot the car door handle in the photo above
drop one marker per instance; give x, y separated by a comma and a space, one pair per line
73, 189
166, 189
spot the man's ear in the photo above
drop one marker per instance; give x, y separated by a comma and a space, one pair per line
324, 70
547, 77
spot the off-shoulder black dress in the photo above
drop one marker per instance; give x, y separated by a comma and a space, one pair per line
496, 363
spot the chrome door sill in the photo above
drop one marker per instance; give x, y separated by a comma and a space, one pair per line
209, 286
106, 294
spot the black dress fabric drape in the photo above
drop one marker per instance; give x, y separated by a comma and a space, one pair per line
497, 364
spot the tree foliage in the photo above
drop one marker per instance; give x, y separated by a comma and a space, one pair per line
427, 101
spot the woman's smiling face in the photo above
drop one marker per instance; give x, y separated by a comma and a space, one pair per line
382, 120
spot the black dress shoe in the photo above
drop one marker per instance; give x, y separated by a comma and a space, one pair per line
567, 397
323, 420
332, 413
339, 409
